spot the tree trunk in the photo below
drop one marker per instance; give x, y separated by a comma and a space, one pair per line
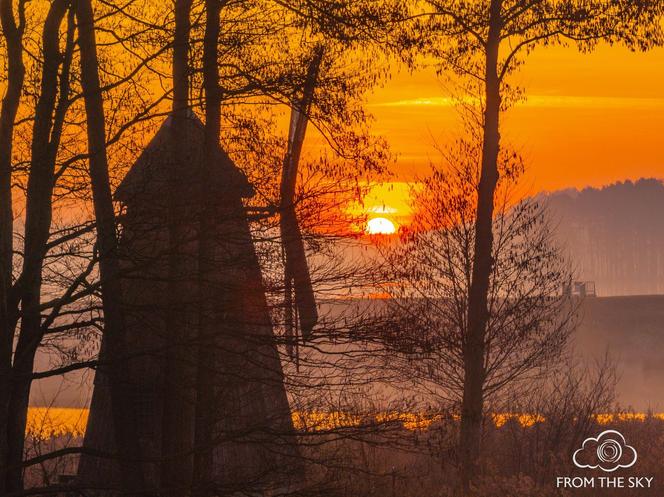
45, 141
296, 270
472, 409
208, 325
13, 35
115, 345
179, 378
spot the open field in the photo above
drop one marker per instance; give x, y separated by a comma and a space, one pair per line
413, 455
631, 329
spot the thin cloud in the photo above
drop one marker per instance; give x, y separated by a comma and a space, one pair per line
541, 101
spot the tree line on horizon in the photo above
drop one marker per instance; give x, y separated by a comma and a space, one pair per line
613, 236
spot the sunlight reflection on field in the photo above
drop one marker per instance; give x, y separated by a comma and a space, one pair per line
50, 422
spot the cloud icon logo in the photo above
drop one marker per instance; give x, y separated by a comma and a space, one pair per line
608, 451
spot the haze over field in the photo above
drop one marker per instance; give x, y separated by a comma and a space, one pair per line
630, 329
613, 237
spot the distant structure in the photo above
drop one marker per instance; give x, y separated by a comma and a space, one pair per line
253, 435
580, 289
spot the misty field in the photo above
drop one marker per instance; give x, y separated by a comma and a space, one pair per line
406, 454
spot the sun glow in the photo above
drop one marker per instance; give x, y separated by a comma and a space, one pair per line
380, 226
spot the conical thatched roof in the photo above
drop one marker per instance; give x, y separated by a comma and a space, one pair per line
148, 175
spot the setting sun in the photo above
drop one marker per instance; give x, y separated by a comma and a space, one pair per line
380, 226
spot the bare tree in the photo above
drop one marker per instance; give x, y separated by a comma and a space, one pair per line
13, 34
46, 133
483, 43
116, 352
205, 417
297, 279
529, 318
177, 460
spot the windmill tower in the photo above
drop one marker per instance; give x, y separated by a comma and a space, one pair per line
251, 437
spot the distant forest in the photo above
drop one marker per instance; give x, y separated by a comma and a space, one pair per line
614, 235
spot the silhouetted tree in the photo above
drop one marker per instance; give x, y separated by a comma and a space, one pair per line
115, 352
52, 104
482, 43
178, 416
529, 318
13, 36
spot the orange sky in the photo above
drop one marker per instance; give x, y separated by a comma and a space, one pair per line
589, 120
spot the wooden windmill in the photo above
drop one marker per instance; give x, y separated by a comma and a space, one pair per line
252, 434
